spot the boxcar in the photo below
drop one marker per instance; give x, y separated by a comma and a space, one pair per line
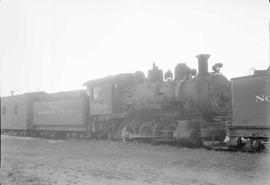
16, 111
63, 111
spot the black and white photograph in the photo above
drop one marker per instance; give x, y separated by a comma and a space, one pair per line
135, 92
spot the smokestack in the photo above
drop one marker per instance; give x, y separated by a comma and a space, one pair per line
203, 64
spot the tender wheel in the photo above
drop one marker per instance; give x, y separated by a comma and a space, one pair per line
253, 145
257, 145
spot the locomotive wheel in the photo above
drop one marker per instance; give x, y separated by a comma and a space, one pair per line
127, 133
167, 131
157, 130
146, 132
117, 133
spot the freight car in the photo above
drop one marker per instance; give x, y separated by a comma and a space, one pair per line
17, 112
250, 126
187, 109
55, 115
61, 115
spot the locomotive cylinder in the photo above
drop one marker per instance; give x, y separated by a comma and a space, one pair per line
203, 64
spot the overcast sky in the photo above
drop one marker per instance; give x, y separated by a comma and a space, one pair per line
57, 45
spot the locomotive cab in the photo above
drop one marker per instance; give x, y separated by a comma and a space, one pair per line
108, 100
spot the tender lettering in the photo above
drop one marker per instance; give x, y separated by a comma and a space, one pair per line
263, 99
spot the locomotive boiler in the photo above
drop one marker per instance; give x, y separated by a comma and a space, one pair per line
183, 109
207, 93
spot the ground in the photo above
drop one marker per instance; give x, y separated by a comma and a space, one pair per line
29, 161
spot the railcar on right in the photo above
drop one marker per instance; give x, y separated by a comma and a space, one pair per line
250, 125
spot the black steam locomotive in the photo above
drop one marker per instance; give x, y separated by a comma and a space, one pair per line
190, 108
130, 106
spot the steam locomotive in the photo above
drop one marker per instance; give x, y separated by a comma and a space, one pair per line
190, 108
130, 106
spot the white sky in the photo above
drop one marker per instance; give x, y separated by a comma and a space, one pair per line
57, 45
